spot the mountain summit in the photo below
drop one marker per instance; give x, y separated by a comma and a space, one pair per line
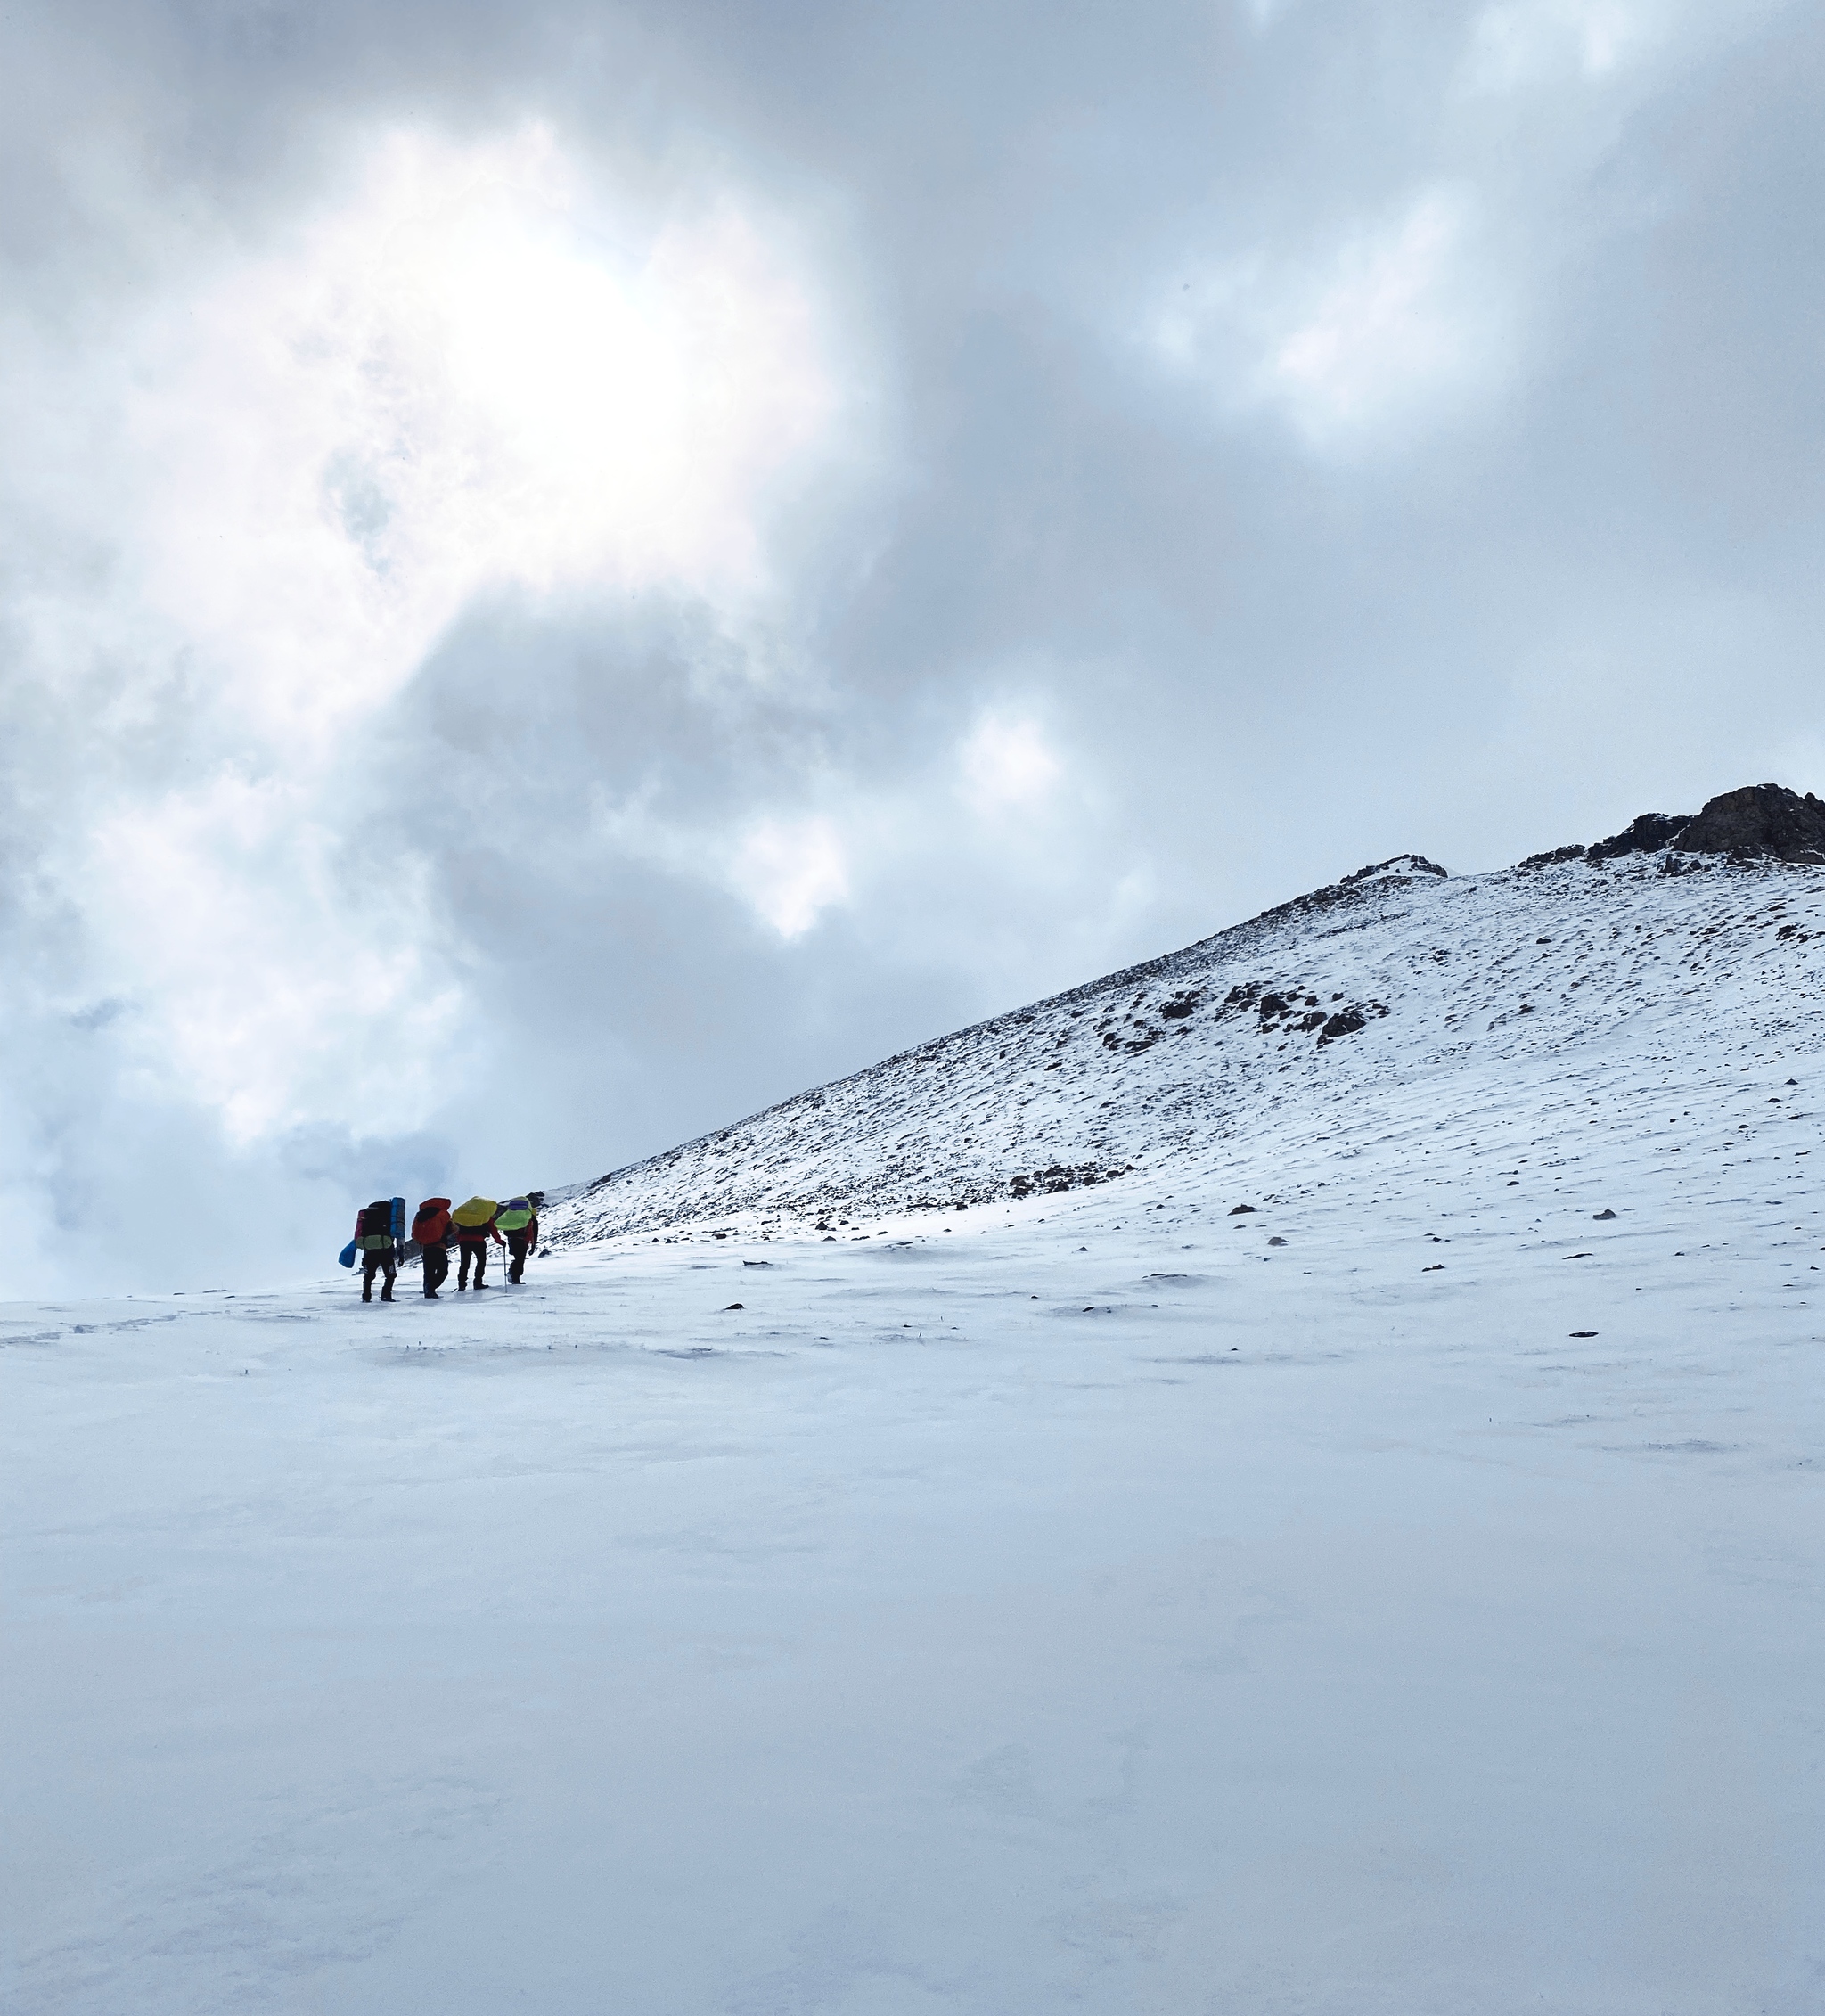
1760, 820
1649, 958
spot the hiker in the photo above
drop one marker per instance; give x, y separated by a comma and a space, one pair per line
431, 1229
474, 1227
519, 1219
373, 1238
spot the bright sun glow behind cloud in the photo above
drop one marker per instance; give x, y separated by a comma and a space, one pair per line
472, 373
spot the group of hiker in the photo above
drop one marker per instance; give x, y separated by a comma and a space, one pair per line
470, 1228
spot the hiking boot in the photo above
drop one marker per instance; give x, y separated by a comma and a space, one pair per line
367, 1294
431, 1295
386, 1294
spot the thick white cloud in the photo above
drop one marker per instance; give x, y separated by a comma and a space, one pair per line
1008, 764
1393, 331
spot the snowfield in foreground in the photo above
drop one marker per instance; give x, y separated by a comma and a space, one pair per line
1092, 1603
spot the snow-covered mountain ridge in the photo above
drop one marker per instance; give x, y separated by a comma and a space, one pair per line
1638, 968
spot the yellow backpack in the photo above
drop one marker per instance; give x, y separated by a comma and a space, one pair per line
478, 1210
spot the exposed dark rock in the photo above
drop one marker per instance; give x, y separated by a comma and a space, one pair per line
1603, 1214
1406, 864
1760, 819
1295, 1009
1646, 835
1062, 1176
1550, 858
1236, 1210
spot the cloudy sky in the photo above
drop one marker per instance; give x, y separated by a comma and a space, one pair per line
570, 570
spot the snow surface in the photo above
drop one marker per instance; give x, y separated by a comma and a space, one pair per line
1401, 1597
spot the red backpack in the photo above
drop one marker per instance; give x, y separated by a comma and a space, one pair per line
431, 1227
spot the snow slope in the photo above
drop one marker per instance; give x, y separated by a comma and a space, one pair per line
1295, 1037
1401, 1597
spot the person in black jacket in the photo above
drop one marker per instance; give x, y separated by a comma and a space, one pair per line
519, 1219
472, 1246
373, 1235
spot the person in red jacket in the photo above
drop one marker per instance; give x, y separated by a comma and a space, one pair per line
432, 1228
472, 1244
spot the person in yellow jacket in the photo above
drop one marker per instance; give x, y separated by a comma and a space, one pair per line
474, 1227
519, 1219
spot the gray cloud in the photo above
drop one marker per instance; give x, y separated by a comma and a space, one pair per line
1255, 441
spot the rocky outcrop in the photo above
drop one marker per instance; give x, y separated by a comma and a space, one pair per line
1645, 835
1397, 867
1760, 819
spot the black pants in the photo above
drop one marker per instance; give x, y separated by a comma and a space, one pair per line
370, 1262
468, 1250
437, 1267
516, 1253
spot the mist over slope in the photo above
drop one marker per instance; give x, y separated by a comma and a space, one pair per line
1651, 962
